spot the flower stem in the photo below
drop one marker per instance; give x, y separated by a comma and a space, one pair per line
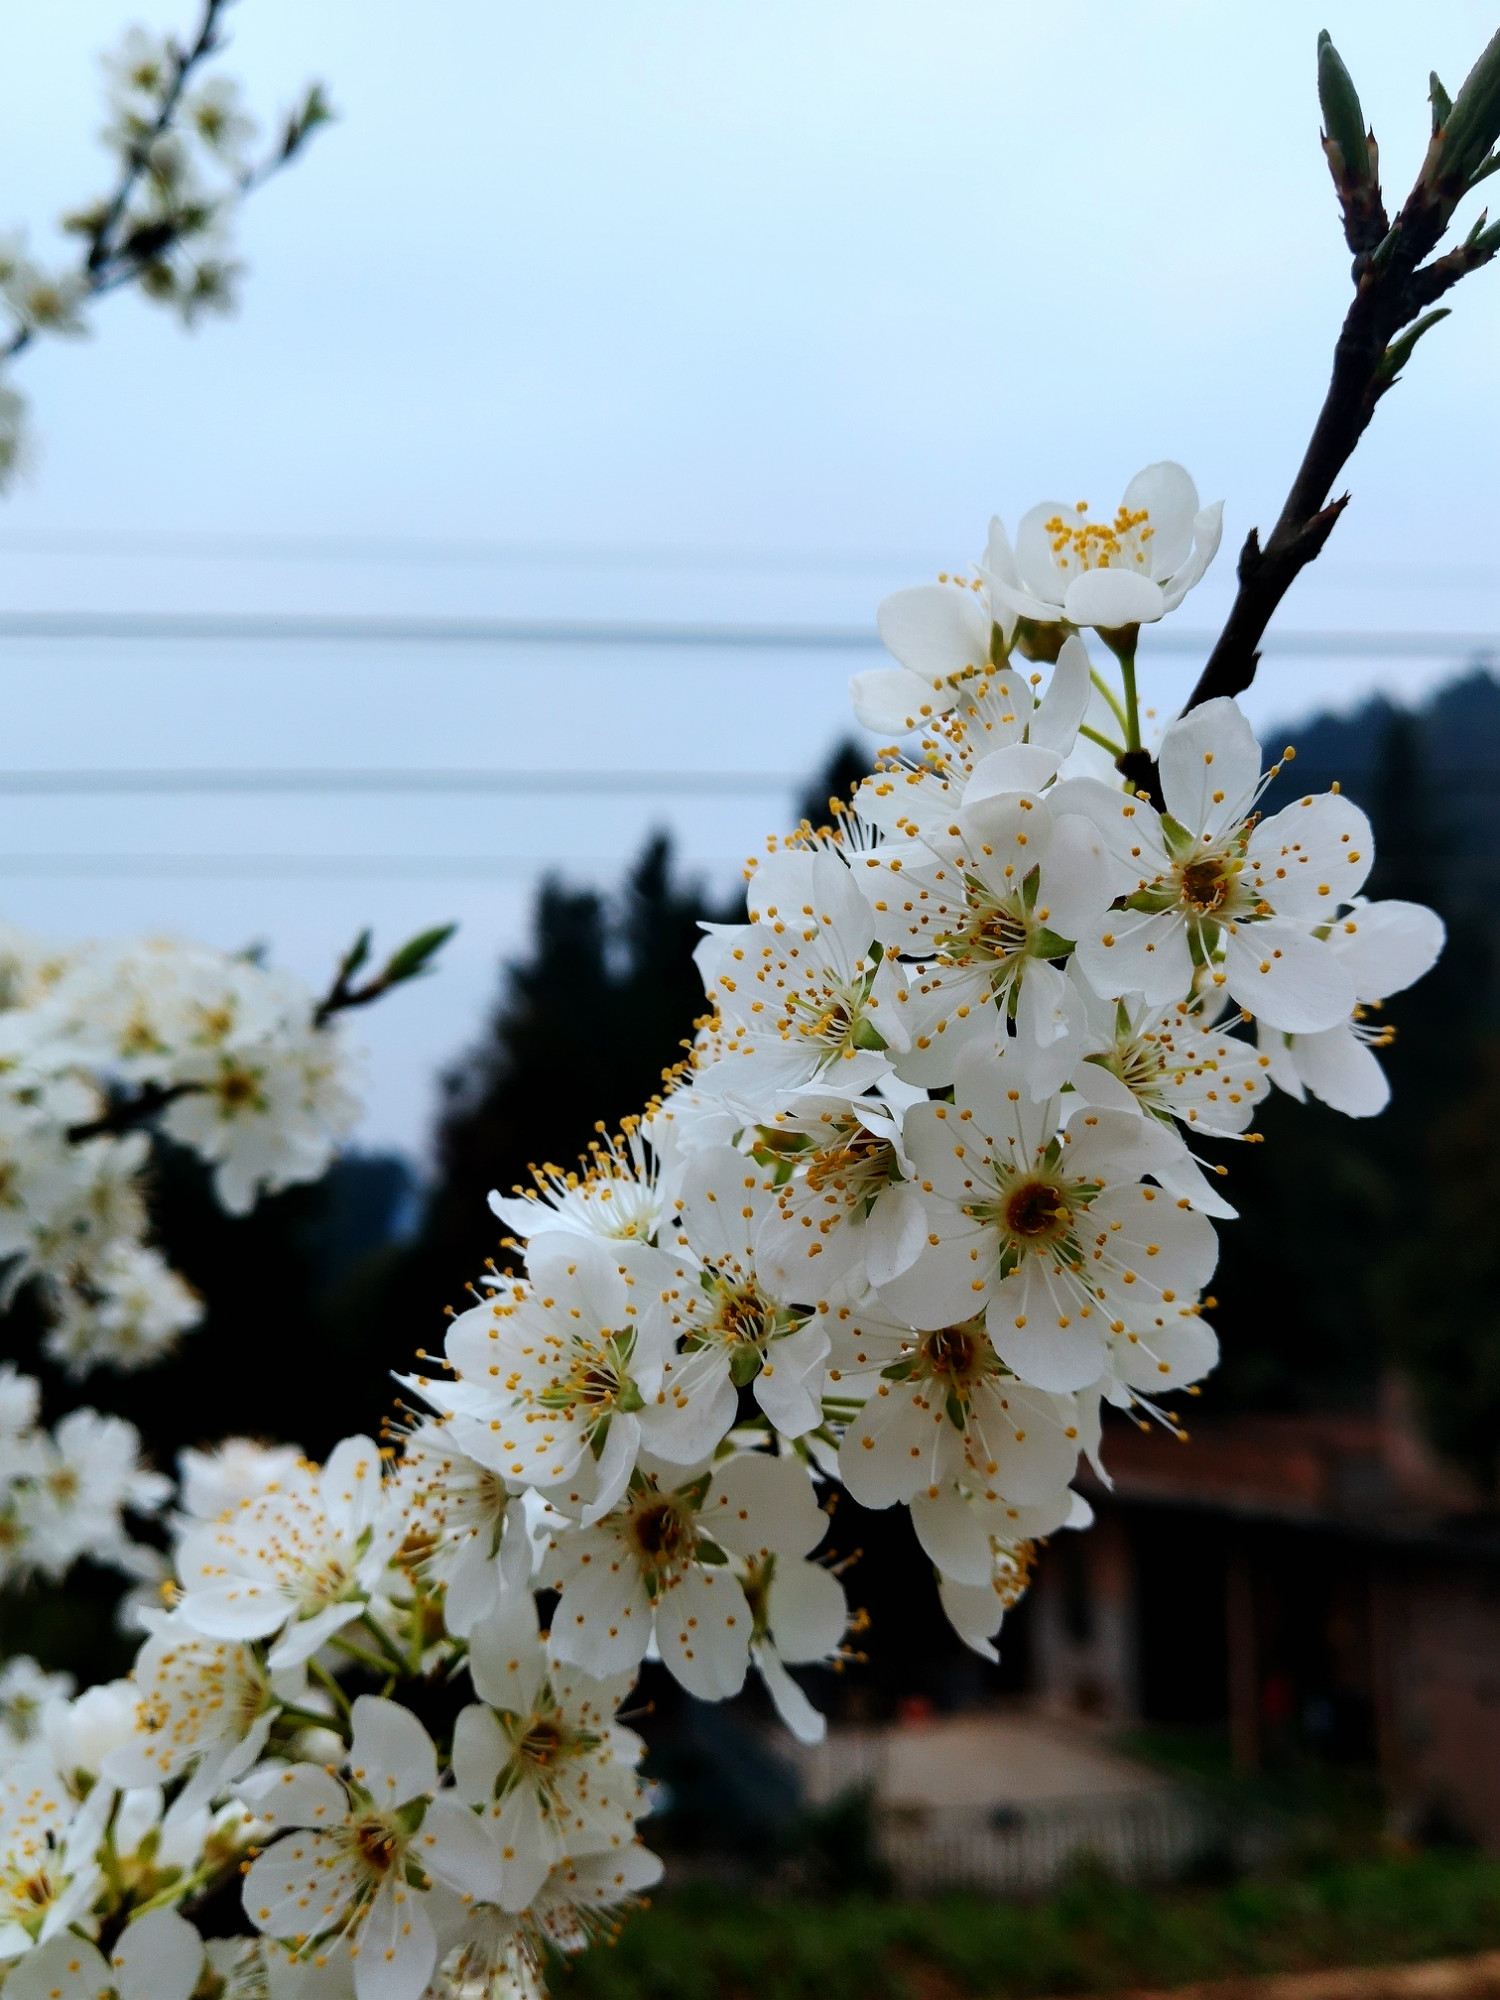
1132, 715
331, 1688
1110, 696
308, 1718
1104, 743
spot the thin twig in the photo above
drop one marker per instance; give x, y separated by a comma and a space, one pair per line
1390, 293
129, 1113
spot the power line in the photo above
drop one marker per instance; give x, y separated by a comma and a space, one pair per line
512, 784
306, 867
218, 546
285, 627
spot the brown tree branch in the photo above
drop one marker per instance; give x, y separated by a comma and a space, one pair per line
1392, 289
129, 1113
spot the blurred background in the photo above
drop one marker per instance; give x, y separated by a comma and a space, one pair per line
505, 560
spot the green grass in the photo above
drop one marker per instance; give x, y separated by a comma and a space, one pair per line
710, 1943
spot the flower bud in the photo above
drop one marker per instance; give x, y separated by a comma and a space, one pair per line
1343, 119
1473, 124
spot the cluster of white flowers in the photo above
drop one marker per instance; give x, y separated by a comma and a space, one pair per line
64, 1494
922, 1200
223, 1055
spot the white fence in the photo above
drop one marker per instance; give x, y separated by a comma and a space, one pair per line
1143, 1836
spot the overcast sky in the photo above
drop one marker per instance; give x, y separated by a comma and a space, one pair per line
721, 310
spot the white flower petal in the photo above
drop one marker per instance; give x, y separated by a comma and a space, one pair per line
807, 1611
1343, 1071
65, 1968
298, 1795
505, 1655
1110, 598
760, 1505
703, 1630
391, 1754
1286, 978
953, 1536
1167, 492
1065, 701
936, 629
1386, 947
1210, 766
397, 1948
158, 1957
792, 1705
1138, 951
459, 1850
889, 701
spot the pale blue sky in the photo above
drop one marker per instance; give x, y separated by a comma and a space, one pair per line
790, 295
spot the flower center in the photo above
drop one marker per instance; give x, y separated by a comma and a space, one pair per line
661, 1533
1079, 544
542, 1744
834, 1017
857, 1165
960, 1355
377, 1844
1036, 1210
1206, 884
998, 932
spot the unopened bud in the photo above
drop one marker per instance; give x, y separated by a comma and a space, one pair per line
1343, 120
1473, 123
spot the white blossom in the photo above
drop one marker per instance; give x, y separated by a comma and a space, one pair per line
300, 1561
1384, 948
1084, 1270
1207, 884
362, 1851
542, 1758
1131, 570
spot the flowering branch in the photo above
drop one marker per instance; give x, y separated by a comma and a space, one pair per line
159, 207
1394, 290
131, 1111
411, 961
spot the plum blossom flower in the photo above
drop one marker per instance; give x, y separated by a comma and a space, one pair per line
976, 1608
542, 1758
799, 1614
48, 1872
465, 1531
1132, 570
941, 1407
843, 1199
157, 1957
994, 895
802, 990
1206, 881
1384, 948
298, 1563
210, 1483
1085, 1270
659, 1566
552, 1373
27, 1691
133, 1313
617, 1196
942, 635
83, 1478
268, 1117
201, 1705
737, 1325
362, 1852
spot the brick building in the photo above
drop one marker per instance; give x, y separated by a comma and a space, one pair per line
1314, 1582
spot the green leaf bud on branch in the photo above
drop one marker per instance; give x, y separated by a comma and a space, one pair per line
1398, 353
1345, 139
1473, 123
